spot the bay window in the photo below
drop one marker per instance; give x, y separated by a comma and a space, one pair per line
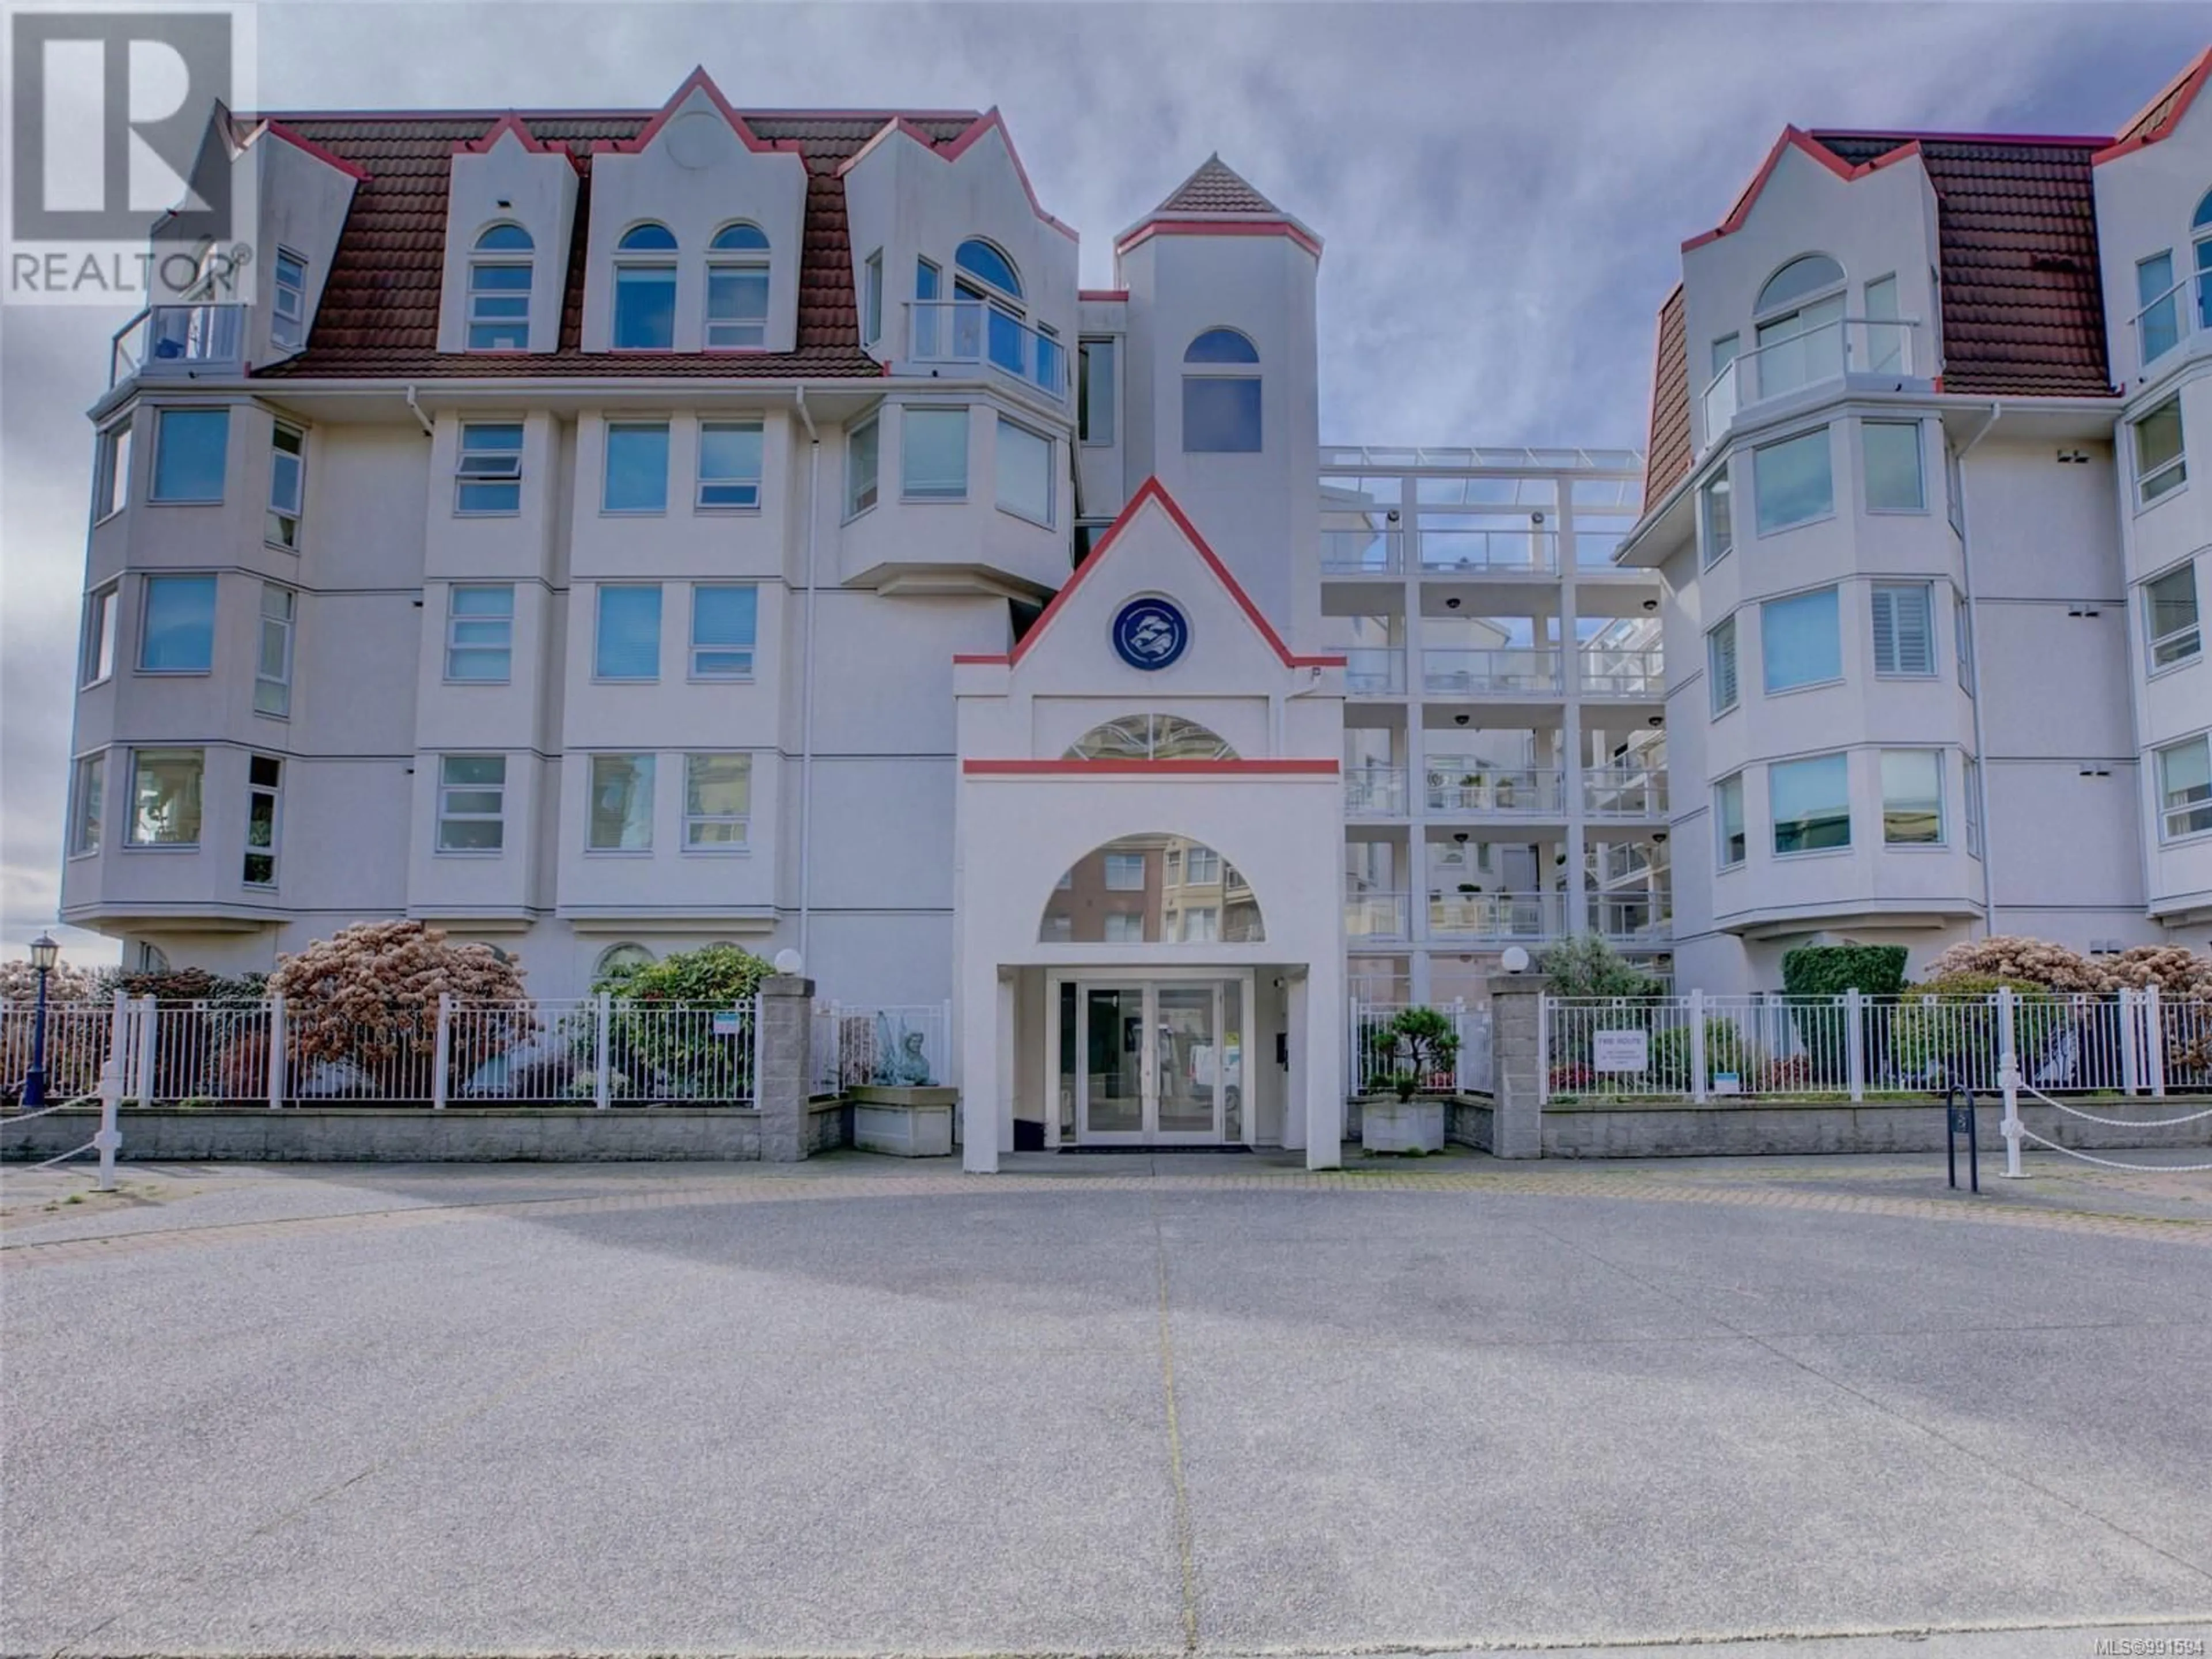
934, 454
2184, 788
621, 804
176, 633
2171, 617
1912, 797
717, 802
165, 797
1728, 820
1810, 804
2160, 464
1801, 640
471, 803
190, 448
1025, 472
1792, 482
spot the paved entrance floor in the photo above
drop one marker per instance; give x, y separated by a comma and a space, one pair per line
1139, 1406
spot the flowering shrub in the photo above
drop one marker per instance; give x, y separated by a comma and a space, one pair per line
2173, 969
76, 1048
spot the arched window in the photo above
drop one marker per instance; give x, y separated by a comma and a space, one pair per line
990, 322
624, 958
1221, 395
499, 290
645, 289
737, 288
978, 259
1151, 890
1151, 736
1800, 317
2200, 235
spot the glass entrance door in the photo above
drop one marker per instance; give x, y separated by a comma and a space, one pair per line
1159, 1062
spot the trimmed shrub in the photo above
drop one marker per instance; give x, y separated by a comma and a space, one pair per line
653, 1056
1586, 966
1829, 970
1416, 1050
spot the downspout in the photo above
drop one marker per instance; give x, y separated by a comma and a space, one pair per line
1974, 646
806, 689
421, 420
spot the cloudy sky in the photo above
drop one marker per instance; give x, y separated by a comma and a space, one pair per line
1504, 190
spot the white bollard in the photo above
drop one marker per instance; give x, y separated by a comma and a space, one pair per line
2009, 1080
442, 1051
109, 1140
276, 1053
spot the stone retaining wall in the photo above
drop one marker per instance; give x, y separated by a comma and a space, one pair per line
405, 1135
1789, 1128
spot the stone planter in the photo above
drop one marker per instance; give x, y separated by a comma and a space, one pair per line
1392, 1124
903, 1123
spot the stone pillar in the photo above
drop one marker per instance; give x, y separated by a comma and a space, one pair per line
1517, 1052
781, 1056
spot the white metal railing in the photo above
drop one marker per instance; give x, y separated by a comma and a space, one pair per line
1828, 351
1374, 671
1624, 861
1524, 551
2168, 319
1467, 673
1496, 918
1378, 915
1375, 792
1523, 792
176, 340
77, 1036
974, 333
1624, 792
1633, 918
1362, 552
1638, 673
2127, 1042
892, 1046
1371, 1058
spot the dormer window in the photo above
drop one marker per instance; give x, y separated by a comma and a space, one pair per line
499, 290
645, 288
986, 279
288, 323
737, 289
1221, 395
1800, 317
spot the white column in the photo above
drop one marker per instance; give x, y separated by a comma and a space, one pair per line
1320, 993
978, 1009
1579, 915
1009, 1023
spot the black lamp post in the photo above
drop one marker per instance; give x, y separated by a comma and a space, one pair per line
45, 953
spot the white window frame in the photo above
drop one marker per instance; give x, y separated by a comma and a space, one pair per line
1760, 527
634, 266
272, 690
1051, 456
103, 608
645, 768
936, 494
872, 299
138, 757
111, 475
1711, 548
1254, 372
275, 793
598, 622
1895, 670
694, 822
665, 427
1725, 627
699, 649
1942, 806
479, 466
446, 814
2170, 475
872, 428
1970, 798
2169, 815
1774, 824
149, 586
482, 259
154, 478
1919, 506
737, 260
1112, 861
1766, 686
1962, 639
282, 527
1721, 792
2178, 646
703, 482
85, 826
1087, 424
288, 327
456, 648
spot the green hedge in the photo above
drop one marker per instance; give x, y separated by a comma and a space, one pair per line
1829, 970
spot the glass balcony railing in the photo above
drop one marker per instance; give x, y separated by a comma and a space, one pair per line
1374, 671
1624, 792
1377, 915
1496, 918
975, 333
1362, 552
1513, 552
1514, 794
1622, 673
2170, 319
1490, 672
176, 340
1633, 918
1375, 792
1827, 351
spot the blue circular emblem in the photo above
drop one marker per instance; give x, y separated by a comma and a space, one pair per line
1150, 633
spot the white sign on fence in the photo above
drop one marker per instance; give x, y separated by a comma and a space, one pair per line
728, 1022
1728, 1083
1620, 1051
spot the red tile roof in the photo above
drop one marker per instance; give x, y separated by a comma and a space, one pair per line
378, 313
2158, 118
1666, 450
1216, 187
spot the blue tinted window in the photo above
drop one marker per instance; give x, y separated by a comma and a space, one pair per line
739, 239
1221, 345
188, 454
629, 642
1220, 416
645, 307
647, 239
505, 239
637, 468
178, 635
1800, 639
980, 258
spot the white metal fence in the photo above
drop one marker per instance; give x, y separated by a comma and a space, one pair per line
1852, 1047
1372, 1057
892, 1046
596, 1051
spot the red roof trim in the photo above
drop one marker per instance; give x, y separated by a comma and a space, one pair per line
510, 122
1001, 658
2142, 130
278, 130
2082, 140
989, 121
1173, 769
1153, 228
697, 80
1154, 491
1103, 294
1796, 138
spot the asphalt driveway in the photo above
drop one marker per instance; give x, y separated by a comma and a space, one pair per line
869, 1409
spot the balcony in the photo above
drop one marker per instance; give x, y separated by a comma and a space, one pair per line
1633, 918
1490, 672
1490, 552
973, 334
1374, 671
1496, 918
1640, 674
1624, 792
1363, 552
177, 340
2169, 320
1625, 860
1874, 347
1375, 792
1524, 794
1377, 915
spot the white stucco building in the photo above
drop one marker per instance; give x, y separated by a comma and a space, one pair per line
1929, 415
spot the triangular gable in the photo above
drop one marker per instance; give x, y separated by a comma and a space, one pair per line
1797, 139
989, 121
2160, 117
1153, 493
697, 82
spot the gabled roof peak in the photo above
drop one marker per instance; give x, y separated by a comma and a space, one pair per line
1217, 187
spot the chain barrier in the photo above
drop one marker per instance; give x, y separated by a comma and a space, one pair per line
43, 1111
2121, 1123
